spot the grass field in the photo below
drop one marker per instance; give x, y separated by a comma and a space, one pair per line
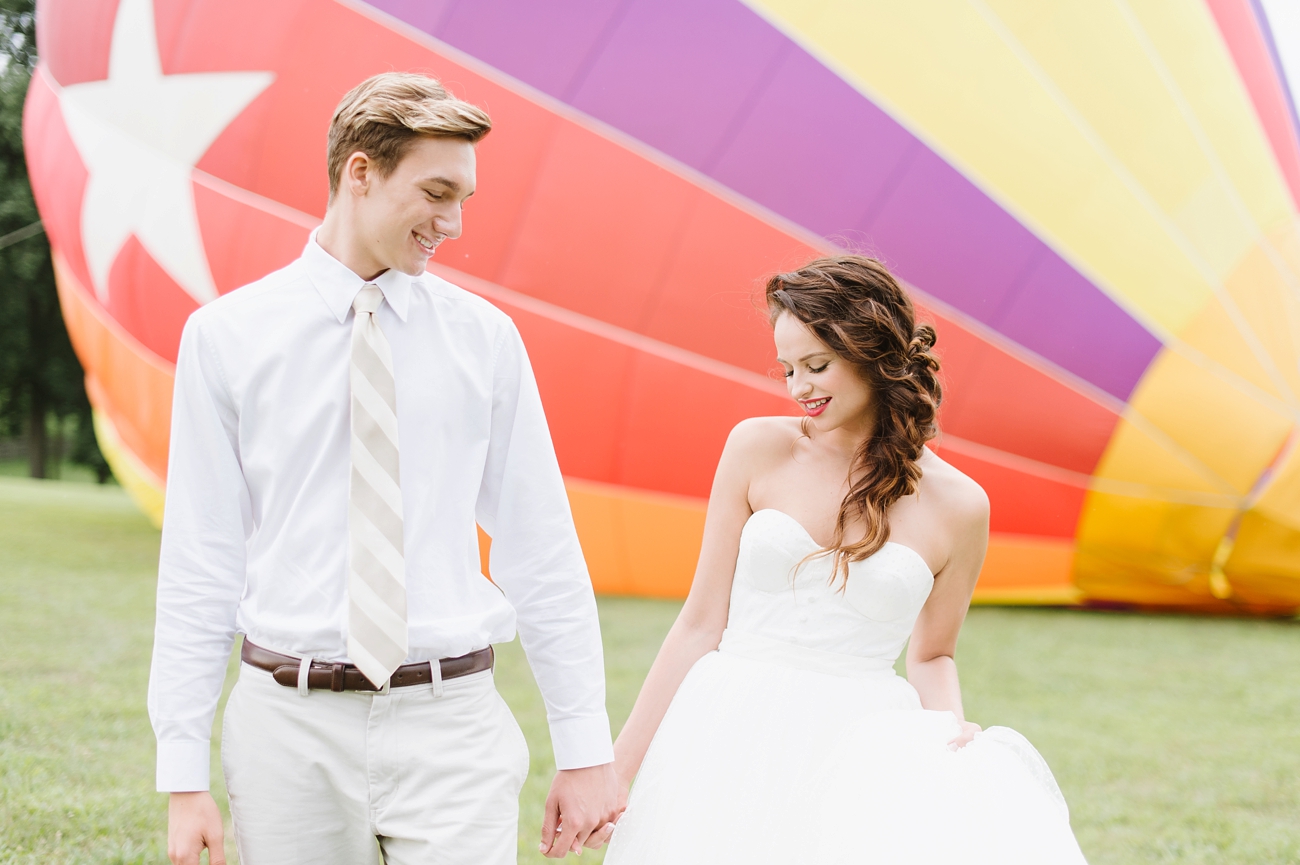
1175, 740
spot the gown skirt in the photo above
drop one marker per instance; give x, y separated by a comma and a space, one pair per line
774, 753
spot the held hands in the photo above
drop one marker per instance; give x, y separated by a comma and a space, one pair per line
968, 731
581, 810
193, 823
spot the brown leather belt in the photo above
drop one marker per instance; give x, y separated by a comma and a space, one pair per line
345, 677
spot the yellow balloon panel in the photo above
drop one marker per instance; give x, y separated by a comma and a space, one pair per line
1188, 51
1148, 551
1265, 563
1213, 339
1265, 289
1233, 433
1147, 461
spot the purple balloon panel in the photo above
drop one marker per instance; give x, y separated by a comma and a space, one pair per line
713, 85
701, 85
937, 229
548, 44
800, 154
1116, 350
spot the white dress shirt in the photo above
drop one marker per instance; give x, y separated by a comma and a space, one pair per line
255, 531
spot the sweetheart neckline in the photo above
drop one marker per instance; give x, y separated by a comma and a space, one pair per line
807, 534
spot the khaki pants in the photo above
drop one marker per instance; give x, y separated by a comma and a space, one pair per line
358, 778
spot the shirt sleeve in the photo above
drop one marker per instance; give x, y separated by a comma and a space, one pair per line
201, 569
538, 564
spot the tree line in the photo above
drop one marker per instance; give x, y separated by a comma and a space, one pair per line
43, 400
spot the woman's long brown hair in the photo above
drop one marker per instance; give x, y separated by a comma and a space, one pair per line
854, 305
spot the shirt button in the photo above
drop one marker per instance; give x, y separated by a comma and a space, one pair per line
803, 617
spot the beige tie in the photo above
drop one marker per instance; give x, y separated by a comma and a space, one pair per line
376, 569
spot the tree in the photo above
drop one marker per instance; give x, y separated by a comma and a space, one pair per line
42, 384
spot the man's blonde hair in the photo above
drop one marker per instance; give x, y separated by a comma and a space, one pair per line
382, 115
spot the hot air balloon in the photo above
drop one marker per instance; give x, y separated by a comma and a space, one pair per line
1095, 205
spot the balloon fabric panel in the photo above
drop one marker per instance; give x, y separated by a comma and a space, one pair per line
1131, 416
126, 382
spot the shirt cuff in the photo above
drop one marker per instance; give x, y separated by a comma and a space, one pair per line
184, 766
582, 742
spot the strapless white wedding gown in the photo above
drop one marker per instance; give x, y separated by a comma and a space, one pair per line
795, 742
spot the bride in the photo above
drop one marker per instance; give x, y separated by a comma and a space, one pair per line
772, 727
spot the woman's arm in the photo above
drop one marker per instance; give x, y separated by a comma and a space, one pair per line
700, 624
931, 667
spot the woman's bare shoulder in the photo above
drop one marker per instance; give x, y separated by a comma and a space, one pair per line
955, 492
757, 444
763, 436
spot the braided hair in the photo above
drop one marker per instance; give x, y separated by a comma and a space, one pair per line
858, 310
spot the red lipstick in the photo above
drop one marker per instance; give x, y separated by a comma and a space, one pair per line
815, 407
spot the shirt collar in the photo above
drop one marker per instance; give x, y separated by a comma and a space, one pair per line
338, 285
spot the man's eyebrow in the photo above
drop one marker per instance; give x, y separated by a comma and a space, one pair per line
445, 181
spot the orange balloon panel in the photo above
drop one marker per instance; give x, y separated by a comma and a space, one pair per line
125, 381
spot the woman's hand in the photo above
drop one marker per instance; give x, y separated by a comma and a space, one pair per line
968, 731
624, 788
601, 836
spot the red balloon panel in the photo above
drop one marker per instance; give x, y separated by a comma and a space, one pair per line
624, 416
1003, 402
254, 242
1022, 503
58, 176
148, 302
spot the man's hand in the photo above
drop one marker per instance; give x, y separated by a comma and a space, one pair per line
580, 810
193, 822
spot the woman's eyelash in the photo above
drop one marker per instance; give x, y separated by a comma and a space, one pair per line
822, 368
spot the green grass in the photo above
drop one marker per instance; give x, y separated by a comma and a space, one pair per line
1175, 739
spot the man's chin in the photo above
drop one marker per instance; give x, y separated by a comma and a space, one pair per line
414, 267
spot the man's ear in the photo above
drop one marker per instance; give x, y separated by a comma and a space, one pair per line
356, 173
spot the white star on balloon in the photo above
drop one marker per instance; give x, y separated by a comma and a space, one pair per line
140, 133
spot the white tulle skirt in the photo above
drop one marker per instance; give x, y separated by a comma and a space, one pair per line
773, 756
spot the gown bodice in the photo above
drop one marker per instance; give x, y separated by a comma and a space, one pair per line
776, 598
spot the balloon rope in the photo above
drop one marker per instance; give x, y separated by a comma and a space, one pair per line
21, 234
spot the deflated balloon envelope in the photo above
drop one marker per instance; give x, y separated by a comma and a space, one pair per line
1094, 205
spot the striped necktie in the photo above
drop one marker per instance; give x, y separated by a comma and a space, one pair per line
376, 569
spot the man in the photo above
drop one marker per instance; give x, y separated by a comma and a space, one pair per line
338, 429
